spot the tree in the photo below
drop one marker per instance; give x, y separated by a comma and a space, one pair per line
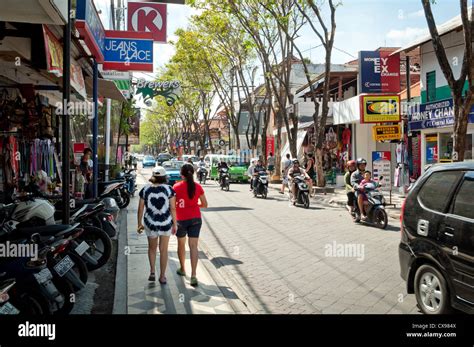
462, 104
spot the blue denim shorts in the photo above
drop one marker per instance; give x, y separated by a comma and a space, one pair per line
190, 227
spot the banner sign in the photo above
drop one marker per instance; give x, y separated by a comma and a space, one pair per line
148, 17
379, 108
379, 72
128, 50
54, 62
381, 166
90, 26
270, 146
386, 132
435, 114
431, 149
115, 75
170, 90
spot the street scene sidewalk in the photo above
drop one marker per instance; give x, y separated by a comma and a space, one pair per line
177, 296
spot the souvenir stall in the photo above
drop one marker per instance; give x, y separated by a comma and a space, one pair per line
27, 146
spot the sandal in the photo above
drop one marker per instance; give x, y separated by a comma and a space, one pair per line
180, 272
162, 281
194, 281
152, 277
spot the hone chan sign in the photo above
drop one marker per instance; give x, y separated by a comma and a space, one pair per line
436, 114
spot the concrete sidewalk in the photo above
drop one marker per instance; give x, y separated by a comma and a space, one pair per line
177, 296
339, 199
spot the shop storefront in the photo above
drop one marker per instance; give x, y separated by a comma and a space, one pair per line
434, 123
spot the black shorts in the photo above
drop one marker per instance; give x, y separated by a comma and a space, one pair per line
190, 227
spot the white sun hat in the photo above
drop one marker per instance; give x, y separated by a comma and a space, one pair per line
158, 171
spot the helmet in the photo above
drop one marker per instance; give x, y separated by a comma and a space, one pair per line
351, 163
361, 161
296, 161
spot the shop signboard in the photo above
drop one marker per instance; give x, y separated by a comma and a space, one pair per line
124, 86
90, 26
386, 132
379, 72
78, 149
381, 166
270, 147
431, 149
435, 114
170, 90
379, 108
115, 75
128, 51
148, 17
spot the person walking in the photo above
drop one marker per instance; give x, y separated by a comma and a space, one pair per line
286, 166
190, 198
271, 163
351, 199
250, 173
311, 172
158, 201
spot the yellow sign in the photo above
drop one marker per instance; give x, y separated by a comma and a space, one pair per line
386, 132
379, 108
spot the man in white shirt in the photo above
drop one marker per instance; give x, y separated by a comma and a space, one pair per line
285, 167
250, 173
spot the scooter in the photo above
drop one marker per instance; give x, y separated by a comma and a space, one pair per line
202, 174
261, 186
375, 207
224, 179
301, 191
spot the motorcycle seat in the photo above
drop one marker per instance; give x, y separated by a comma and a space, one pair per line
47, 230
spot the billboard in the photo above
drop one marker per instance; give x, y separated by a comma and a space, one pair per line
386, 132
379, 72
128, 51
148, 17
379, 108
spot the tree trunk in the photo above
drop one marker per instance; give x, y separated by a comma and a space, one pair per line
321, 179
461, 114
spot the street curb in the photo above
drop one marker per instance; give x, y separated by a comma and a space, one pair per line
121, 284
243, 304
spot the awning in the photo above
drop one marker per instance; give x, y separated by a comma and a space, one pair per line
34, 11
347, 111
107, 89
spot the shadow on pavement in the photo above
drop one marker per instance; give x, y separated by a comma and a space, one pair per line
226, 208
223, 261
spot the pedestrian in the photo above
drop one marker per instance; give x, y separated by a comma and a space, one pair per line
190, 198
271, 163
158, 201
286, 166
351, 199
86, 165
311, 172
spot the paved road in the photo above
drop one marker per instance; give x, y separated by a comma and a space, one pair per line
290, 260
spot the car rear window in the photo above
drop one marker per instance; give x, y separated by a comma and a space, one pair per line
463, 205
437, 189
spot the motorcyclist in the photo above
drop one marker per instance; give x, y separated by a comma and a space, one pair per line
351, 167
222, 165
256, 171
201, 166
356, 178
296, 170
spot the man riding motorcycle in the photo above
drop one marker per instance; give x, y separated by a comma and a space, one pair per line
351, 167
220, 166
201, 166
256, 170
357, 177
296, 170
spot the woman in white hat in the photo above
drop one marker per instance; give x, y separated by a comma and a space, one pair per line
158, 201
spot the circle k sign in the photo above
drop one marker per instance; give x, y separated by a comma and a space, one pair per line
149, 17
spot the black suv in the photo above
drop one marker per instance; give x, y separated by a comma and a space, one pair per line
437, 239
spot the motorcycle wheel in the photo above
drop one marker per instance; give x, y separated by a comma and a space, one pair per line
66, 290
125, 200
100, 246
31, 304
380, 218
265, 192
305, 198
227, 187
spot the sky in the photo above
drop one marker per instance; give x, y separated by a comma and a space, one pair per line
361, 25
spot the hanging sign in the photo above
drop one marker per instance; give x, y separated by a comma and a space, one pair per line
381, 166
90, 26
386, 132
170, 90
379, 72
128, 51
270, 145
148, 17
379, 108
115, 75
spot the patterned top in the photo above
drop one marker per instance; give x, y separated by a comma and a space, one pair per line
157, 207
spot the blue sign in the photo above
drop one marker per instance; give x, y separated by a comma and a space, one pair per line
90, 26
435, 114
127, 50
379, 72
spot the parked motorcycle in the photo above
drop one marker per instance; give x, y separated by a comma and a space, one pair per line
5, 306
115, 189
130, 176
224, 179
261, 185
301, 191
375, 207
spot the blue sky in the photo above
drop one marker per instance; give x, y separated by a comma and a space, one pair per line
361, 25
